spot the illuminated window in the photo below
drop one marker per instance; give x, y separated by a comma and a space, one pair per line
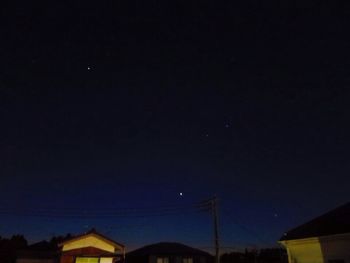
86, 260
162, 260
187, 260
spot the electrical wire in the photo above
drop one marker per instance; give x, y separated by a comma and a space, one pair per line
104, 213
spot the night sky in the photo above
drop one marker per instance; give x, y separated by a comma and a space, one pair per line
127, 104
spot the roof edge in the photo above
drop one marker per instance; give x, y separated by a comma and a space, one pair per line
92, 232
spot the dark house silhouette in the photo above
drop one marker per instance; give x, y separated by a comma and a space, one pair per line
42, 251
88, 247
167, 252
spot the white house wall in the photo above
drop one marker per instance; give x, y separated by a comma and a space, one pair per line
336, 248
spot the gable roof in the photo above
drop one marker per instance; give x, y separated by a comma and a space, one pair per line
334, 222
168, 248
94, 233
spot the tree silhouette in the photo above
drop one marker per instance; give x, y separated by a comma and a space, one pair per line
9, 247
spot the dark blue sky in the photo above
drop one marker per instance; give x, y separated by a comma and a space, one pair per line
112, 106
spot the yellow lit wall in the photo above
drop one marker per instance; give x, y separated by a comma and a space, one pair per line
306, 251
318, 250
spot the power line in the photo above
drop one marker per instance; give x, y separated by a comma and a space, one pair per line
244, 228
104, 213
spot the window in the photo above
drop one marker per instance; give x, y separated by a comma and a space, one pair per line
187, 260
86, 260
162, 260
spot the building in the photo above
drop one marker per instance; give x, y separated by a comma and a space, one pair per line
90, 247
325, 239
41, 252
167, 252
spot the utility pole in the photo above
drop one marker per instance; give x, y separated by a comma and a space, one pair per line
214, 209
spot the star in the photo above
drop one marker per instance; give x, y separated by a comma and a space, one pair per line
180, 193
88, 68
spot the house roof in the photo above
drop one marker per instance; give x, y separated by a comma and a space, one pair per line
42, 245
168, 248
92, 232
334, 222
